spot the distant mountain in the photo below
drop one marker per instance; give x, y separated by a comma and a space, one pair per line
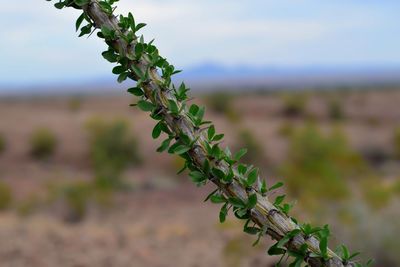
209, 76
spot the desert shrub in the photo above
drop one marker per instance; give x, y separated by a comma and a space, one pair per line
221, 103
235, 250
286, 129
2, 144
28, 205
5, 196
43, 143
74, 104
255, 151
396, 142
317, 166
376, 194
396, 186
294, 105
335, 110
372, 231
76, 197
112, 149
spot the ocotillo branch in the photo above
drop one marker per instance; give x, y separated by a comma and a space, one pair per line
238, 186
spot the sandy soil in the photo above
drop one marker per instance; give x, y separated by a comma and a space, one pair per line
163, 221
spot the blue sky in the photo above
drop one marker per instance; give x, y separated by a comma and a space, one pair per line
39, 44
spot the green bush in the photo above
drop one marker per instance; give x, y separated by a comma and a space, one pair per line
77, 196
75, 104
2, 144
335, 110
5, 196
376, 194
43, 143
221, 103
255, 151
294, 105
286, 129
318, 166
113, 148
28, 205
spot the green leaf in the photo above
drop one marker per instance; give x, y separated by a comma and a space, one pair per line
276, 186
255, 243
59, 5
241, 213
251, 230
145, 105
238, 155
164, 145
308, 230
139, 48
131, 21
323, 246
345, 252
85, 30
223, 212
286, 208
118, 69
138, 72
106, 7
242, 169
218, 173
108, 33
229, 178
284, 240
81, 2
252, 177
260, 234
252, 201
352, 256
122, 77
216, 152
181, 149
218, 137
193, 110
110, 56
200, 113
135, 91
274, 250
173, 106
139, 26
185, 139
297, 262
211, 132
218, 199
157, 130
263, 188
79, 21
210, 195
279, 200
236, 202
197, 177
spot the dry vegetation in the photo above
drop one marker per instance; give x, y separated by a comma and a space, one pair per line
82, 185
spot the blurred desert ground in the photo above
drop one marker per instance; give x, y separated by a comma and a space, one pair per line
64, 204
